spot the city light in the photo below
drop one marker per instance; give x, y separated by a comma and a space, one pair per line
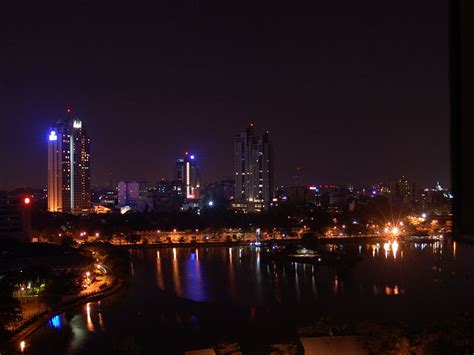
53, 136
22, 346
27, 201
210, 203
55, 322
394, 248
77, 124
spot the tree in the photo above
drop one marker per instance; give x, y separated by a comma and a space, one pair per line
60, 285
310, 241
67, 242
10, 309
132, 238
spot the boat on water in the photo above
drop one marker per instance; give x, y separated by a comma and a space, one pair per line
424, 238
309, 256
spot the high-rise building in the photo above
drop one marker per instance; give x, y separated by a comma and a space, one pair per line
187, 174
69, 177
253, 170
403, 190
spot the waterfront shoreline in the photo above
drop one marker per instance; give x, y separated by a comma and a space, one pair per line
323, 240
26, 330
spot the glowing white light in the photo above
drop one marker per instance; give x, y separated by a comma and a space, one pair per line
77, 124
210, 203
394, 248
53, 136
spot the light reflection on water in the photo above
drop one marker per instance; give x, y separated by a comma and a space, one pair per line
55, 322
199, 274
394, 276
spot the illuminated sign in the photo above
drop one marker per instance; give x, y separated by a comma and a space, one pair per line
53, 136
77, 124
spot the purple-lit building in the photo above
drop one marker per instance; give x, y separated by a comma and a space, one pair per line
135, 195
188, 175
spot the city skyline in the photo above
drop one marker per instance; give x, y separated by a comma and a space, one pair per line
217, 177
349, 113
169, 173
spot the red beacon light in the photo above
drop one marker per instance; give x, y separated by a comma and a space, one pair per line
27, 200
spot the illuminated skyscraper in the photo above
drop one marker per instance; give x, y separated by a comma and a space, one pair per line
69, 181
187, 174
253, 173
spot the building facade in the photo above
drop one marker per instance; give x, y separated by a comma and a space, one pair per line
188, 175
403, 191
69, 179
134, 194
15, 217
253, 170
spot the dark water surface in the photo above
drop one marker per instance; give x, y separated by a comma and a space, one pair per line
184, 299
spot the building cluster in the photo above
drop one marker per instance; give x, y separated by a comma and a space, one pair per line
69, 178
249, 189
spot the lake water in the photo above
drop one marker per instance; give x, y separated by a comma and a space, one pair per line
188, 298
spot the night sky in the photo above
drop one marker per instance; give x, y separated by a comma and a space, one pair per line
351, 91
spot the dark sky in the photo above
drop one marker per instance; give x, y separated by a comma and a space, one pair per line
351, 91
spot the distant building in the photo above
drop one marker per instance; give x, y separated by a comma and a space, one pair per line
339, 198
380, 189
253, 170
223, 189
69, 179
134, 195
168, 195
298, 195
15, 217
39, 196
188, 175
403, 191
105, 196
